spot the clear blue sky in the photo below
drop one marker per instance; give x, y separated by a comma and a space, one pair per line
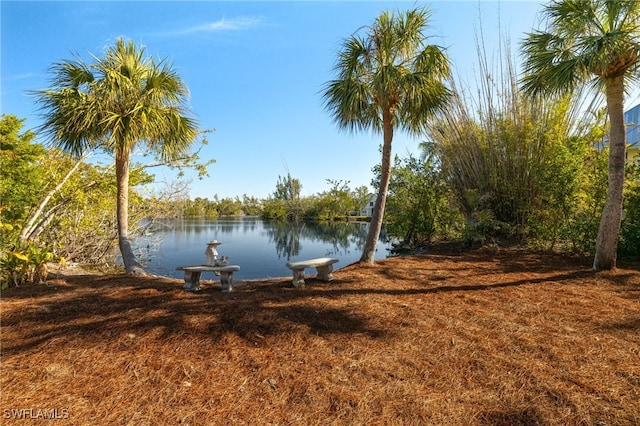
255, 71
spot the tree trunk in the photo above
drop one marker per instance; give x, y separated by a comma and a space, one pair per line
131, 264
377, 215
609, 230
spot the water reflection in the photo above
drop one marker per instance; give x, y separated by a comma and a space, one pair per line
339, 237
286, 238
261, 248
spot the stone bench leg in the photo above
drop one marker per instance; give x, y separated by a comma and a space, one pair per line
192, 280
324, 272
298, 278
226, 280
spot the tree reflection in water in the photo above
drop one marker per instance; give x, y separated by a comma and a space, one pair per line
261, 248
343, 237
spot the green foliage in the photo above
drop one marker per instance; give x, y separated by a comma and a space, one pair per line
573, 224
591, 44
274, 208
186, 160
336, 203
513, 162
229, 206
13, 264
52, 200
629, 244
251, 205
9, 234
18, 267
583, 40
287, 188
88, 207
121, 100
417, 208
200, 207
388, 74
286, 203
21, 174
510, 169
361, 197
203, 207
13, 269
481, 224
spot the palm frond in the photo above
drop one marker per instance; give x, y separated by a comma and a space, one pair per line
390, 68
351, 104
121, 100
584, 40
71, 74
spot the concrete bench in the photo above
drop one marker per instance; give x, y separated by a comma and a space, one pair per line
192, 276
323, 265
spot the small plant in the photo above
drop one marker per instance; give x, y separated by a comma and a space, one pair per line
13, 269
19, 267
37, 266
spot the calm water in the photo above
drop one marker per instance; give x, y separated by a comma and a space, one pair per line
260, 248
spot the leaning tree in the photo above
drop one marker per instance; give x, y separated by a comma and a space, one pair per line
388, 78
115, 104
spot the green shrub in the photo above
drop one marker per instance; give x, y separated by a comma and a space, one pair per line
418, 208
629, 243
18, 267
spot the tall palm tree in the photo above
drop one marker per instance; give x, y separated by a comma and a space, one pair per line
598, 42
122, 100
387, 79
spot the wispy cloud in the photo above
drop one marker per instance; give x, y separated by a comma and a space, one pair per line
20, 76
224, 24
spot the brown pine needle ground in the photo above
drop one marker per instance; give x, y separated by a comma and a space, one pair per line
482, 338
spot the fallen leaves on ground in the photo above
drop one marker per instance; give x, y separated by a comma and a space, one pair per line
488, 337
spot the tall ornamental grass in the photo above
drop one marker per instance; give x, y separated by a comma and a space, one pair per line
513, 163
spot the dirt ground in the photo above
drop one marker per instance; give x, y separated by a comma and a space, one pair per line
487, 337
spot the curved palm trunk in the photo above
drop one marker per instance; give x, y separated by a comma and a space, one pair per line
131, 264
377, 215
608, 232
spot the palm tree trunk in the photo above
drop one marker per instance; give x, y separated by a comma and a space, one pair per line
131, 264
608, 232
377, 215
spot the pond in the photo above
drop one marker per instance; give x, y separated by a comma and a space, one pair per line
261, 248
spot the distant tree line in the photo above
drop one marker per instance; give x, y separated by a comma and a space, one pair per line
339, 202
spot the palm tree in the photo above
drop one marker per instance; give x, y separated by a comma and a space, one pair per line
598, 42
387, 79
122, 100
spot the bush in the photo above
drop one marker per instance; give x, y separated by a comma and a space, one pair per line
629, 244
18, 267
418, 208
